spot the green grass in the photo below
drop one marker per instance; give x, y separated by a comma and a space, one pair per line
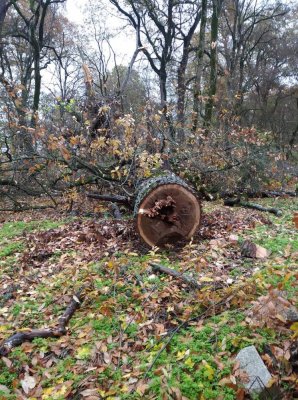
276, 241
280, 234
189, 362
124, 297
12, 229
105, 326
10, 249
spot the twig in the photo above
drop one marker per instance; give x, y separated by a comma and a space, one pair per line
184, 278
20, 337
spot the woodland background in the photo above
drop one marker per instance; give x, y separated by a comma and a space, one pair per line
210, 92
207, 89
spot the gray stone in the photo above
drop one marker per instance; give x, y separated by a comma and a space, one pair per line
257, 374
292, 314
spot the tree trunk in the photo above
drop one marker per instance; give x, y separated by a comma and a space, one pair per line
181, 90
37, 88
163, 88
169, 131
3, 9
199, 67
216, 8
166, 210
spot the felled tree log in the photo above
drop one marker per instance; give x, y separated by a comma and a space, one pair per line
252, 250
254, 206
20, 337
166, 210
276, 193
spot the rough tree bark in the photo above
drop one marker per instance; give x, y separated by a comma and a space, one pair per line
3, 9
199, 66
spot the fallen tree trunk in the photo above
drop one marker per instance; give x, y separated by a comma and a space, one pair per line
276, 193
20, 337
166, 209
254, 206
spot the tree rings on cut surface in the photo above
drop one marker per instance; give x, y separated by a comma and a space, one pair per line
166, 211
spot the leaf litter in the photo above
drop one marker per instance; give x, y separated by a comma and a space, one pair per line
117, 345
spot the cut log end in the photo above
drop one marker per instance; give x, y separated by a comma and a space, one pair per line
167, 212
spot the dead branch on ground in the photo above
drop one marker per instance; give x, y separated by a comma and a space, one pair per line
237, 202
185, 278
112, 198
20, 337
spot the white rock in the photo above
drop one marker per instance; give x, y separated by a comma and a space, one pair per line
258, 376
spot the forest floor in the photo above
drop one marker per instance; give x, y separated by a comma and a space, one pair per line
140, 334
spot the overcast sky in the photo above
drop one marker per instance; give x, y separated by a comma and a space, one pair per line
123, 44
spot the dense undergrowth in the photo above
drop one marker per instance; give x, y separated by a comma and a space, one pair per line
139, 334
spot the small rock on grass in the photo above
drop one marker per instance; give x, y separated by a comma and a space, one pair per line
257, 378
252, 250
233, 239
291, 314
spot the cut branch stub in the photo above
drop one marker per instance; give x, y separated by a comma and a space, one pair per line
166, 211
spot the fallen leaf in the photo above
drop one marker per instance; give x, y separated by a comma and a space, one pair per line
7, 362
28, 383
107, 358
233, 239
88, 392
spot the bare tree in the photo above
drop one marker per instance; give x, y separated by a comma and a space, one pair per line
199, 66
37, 38
28, 39
183, 63
164, 34
246, 26
216, 11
